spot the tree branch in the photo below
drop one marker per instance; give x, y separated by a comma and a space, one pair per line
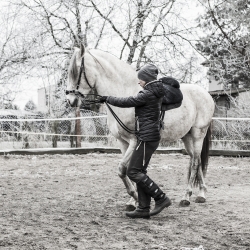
218, 25
111, 23
102, 29
142, 14
149, 37
78, 24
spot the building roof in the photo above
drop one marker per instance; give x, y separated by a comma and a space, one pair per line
227, 92
17, 113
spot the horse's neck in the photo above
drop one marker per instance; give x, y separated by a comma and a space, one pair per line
114, 77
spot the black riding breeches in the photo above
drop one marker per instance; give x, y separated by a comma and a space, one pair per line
140, 158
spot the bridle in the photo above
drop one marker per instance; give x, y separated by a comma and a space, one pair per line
76, 91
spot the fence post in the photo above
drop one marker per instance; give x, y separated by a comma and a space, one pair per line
78, 128
26, 136
55, 131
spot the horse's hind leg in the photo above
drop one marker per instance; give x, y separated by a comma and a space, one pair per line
193, 143
201, 198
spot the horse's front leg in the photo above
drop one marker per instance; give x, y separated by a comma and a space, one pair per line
122, 168
189, 145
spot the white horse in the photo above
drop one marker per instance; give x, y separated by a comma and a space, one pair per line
190, 122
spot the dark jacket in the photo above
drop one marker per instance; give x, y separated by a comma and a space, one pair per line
147, 105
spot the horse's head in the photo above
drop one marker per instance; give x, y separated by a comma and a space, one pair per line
79, 83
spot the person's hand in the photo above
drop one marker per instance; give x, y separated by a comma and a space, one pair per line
103, 99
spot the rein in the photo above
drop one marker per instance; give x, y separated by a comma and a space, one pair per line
130, 131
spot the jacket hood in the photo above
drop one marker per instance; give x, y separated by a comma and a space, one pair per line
156, 87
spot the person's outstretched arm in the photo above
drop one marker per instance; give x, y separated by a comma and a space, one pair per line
127, 102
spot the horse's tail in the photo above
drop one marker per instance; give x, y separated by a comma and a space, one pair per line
205, 153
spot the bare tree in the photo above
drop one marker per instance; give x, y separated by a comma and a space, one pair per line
11, 55
226, 41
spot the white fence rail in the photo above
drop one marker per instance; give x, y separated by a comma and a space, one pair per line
54, 132
227, 133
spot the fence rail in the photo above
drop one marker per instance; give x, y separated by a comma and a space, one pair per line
231, 133
227, 133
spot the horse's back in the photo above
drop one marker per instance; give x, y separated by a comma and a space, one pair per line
196, 110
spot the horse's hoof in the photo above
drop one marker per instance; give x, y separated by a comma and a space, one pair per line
184, 203
200, 199
130, 207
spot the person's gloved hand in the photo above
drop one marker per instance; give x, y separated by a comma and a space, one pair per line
103, 99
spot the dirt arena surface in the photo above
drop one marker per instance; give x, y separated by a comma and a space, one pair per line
78, 202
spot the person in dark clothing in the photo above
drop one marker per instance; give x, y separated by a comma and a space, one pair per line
147, 105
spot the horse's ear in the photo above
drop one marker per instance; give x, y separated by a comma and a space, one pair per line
82, 49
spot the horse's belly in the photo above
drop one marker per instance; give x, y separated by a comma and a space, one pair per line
177, 123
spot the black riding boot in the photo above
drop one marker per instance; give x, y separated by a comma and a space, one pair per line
143, 209
161, 200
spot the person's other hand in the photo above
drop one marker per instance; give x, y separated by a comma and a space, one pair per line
103, 99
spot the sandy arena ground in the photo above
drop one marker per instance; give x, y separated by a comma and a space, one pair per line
78, 202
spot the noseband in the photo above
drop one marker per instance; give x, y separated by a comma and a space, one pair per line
76, 91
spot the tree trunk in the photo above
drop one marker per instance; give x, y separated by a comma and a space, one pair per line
78, 128
55, 137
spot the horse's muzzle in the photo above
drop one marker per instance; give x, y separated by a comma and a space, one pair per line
73, 101
74, 97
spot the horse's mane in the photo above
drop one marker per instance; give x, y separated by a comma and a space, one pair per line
73, 70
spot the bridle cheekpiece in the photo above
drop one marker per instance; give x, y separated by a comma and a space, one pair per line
76, 91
